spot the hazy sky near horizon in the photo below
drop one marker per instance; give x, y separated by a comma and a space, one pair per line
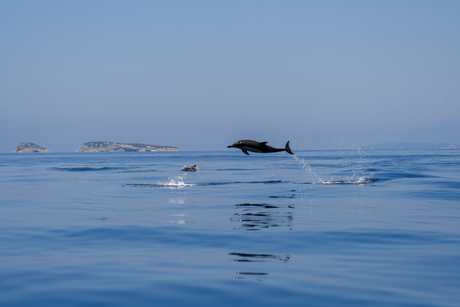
203, 74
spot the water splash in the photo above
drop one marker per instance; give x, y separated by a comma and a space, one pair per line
357, 171
307, 168
178, 182
175, 182
360, 181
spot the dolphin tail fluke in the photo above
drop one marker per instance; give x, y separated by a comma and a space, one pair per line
288, 149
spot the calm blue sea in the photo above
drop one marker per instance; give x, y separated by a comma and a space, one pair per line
319, 228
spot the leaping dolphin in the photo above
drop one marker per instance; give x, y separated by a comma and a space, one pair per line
254, 146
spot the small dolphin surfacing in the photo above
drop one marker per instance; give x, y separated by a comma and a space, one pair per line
189, 168
254, 146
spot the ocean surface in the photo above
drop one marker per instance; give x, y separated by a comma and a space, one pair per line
318, 228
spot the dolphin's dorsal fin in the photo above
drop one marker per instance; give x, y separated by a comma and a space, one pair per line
263, 143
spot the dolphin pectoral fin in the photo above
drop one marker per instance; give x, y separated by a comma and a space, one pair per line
245, 151
288, 149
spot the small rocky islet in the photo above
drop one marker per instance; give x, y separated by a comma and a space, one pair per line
120, 147
101, 147
30, 147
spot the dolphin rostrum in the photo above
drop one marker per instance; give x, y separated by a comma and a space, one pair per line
254, 146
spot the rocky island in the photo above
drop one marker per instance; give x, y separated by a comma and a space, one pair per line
119, 147
30, 147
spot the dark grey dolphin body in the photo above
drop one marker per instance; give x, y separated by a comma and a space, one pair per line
254, 146
189, 168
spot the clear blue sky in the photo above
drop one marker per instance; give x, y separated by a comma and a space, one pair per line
203, 74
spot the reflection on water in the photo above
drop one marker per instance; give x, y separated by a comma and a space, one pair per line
243, 275
247, 257
250, 273
252, 216
260, 216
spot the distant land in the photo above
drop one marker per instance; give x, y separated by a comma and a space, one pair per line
412, 145
120, 147
30, 147
133, 147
